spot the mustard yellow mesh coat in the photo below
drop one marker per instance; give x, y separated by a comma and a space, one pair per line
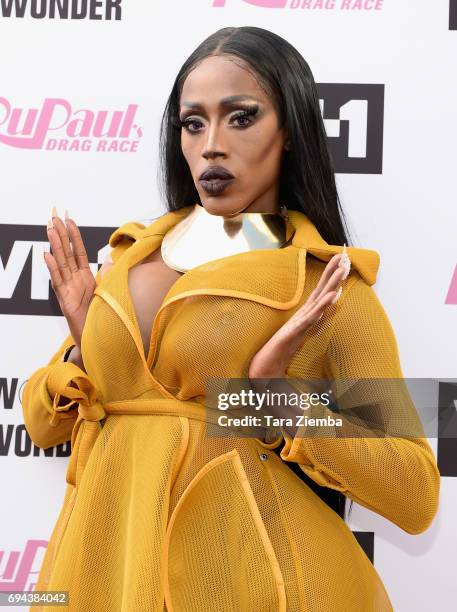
157, 514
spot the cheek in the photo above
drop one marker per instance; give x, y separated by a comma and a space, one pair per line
263, 147
188, 148
260, 157
184, 146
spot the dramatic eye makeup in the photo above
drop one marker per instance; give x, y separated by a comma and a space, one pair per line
246, 112
241, 119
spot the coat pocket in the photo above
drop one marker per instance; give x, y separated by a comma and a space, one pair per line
218, 555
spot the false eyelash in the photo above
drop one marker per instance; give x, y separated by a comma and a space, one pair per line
247, 112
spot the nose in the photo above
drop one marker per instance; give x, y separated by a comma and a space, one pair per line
213, 147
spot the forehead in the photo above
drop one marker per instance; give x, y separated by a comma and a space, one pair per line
218, 77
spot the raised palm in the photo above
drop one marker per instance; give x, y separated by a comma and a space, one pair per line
71, 277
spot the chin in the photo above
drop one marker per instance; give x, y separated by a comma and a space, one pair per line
216, 206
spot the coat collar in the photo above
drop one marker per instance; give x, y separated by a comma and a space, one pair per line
306, 239
365, 261
273, 277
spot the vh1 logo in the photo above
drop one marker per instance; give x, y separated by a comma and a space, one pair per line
25, 286
353, 115
453, 15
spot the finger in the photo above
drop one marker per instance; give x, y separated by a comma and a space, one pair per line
79, 250
58, 252
344, 263
310, 313
315, 313
330, 268
56, 278
334, 282
327, 300
66, 246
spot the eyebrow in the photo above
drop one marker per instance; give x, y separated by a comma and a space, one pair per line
229, 101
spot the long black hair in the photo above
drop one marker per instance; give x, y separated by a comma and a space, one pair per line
307, 177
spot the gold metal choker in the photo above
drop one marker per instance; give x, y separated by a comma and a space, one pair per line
201, 237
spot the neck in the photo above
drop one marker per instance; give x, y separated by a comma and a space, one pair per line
202, 237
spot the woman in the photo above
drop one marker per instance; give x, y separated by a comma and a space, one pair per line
159, 513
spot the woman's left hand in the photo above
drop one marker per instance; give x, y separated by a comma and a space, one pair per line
273, 358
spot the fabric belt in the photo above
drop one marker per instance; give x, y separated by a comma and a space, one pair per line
91, 411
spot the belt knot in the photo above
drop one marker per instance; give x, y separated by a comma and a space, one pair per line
92, 412
69, 381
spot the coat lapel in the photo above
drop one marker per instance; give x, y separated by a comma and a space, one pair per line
273, 277
365, 261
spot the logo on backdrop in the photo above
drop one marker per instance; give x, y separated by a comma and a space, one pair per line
447, 429
314, 5
57, 126
21, 568
15, 440
453, 15
85, 9
366, 541
354, 120
14, 437
451, 297
25, 286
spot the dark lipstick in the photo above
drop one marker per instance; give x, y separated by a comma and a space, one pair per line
215, 179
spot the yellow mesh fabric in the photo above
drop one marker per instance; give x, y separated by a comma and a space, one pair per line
159, 515
363, 362
185, 332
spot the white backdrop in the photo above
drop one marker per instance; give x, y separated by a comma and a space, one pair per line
405, 210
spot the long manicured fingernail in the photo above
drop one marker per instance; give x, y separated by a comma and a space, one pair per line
345, 262
66, 215
50, 224
54, 212
338, 293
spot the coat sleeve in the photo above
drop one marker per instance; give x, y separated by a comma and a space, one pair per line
47, 422
380, 458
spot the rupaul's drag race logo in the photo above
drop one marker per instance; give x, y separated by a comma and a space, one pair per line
56, 9
57, 126
313, 5
19, 568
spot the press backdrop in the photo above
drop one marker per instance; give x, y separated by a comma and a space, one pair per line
386, 76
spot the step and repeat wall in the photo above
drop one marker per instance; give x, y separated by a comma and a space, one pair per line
386, 76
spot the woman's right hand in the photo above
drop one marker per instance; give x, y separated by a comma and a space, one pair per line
71, 277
